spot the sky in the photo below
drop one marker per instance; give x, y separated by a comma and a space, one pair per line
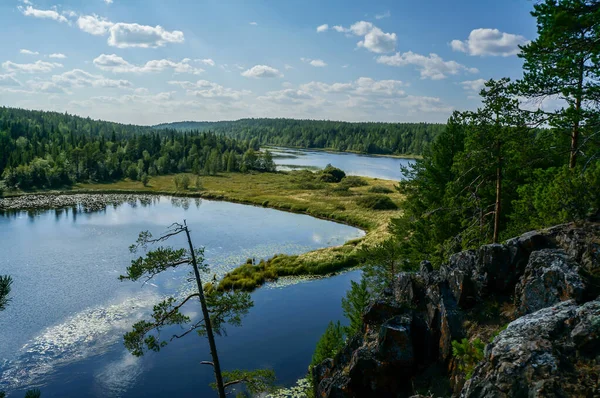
155, 61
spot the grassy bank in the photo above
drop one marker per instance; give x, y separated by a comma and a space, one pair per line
295, 192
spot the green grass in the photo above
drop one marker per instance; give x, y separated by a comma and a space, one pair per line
293, 191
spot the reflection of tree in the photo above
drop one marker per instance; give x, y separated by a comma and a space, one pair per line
184, 203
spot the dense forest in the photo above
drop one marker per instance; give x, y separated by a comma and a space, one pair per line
48, 149
374, 138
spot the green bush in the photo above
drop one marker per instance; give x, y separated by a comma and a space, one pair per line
377, 202
467, 354
380, 189
331, 174
354, 181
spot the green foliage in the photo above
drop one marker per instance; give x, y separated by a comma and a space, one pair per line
380, 189
354, 181
468, 354
35, 393
563, 62
377, 202
331, 174
5, 287
354, 304
557, 195
259, 381
382, 262
145, 179
50, 150
182, 181
330, 343
375, 138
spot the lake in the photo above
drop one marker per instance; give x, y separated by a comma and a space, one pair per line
63, 330
387, 168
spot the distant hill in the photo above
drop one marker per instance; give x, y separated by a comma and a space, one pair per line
367, 137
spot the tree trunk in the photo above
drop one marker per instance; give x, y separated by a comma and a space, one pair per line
206, 315
575, 132
498, 194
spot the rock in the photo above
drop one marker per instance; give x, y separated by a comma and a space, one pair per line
381, 310
395, 342
553, 352
551, 276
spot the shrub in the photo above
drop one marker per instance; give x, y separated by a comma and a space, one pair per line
380, 189
467, 354
145, 179
354, 181
331, 174
199, 185
377, 202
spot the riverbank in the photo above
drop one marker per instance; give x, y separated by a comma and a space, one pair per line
283, 191
331, 150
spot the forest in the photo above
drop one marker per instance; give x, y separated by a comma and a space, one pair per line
49, 150
371, 138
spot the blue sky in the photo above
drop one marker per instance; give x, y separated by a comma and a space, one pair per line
155, 61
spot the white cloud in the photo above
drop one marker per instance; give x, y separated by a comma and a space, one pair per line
94, 25
206, 89
126, 35
322, 28
45, 87
253, 23
9, 81
288, 67
108, 1
286, 96
37, 67
116, 64
57, 55
474, 86
28, 52
431, 67
45, 14
374, 39
262, 71
206, 61
386, 14
78, 78
489, 42
318, 63
361, 86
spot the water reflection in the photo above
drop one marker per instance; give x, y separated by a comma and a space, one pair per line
63, 330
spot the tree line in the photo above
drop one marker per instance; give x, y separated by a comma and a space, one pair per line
47, 150
372, 138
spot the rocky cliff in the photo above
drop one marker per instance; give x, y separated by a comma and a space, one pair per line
532, 303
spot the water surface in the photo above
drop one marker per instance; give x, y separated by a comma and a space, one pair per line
63, 330
387, 168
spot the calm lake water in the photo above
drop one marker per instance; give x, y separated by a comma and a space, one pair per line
360, 165
63, 329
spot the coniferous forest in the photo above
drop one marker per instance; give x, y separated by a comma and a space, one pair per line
47, 149
372, 138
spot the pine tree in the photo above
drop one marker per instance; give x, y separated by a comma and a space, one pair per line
564, 62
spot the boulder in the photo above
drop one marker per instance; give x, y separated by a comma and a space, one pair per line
553, 352
551, 276
395, 342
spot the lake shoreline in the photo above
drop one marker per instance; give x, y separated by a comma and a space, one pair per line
277, 191
331, 150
